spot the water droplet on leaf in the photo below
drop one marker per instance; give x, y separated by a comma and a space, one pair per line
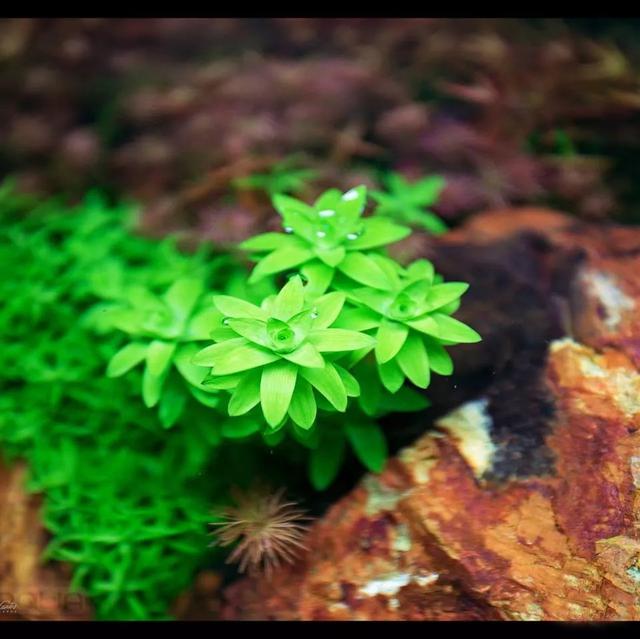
321, 234
353, 236
326, 213
288, 229
350, 195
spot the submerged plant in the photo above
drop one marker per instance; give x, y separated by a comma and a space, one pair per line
286, 369
279, 354
267, 530
407, 202
290, 361
162, 328
284, 177
125, 502
411, 318
330, 235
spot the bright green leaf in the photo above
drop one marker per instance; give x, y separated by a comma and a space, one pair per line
246, 394
210, 354
302, 409
363, 269
126, 358
183, 295
355, 356
439, 360
426, 325
172, 404
241, 358
455, 331
391, 376
280, 260
305, 355
414, 361
289, 300
378, 231
266, 242
253, 330
328, 383
159, 356
331, 256
327, 308
351, 384
442, 294
358, 319
276, 388
378, 301
389, 340
285, 204
182, 359
450, 308
427, 191
151, 387
339, 339
318, 277
223, 382
202, 323
235, 307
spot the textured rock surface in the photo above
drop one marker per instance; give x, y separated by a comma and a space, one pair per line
522, 502
29, 589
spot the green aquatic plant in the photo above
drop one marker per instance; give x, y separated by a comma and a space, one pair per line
324, 238
281, 371
162, 327
304, 341
283, 177
280, 355
136, 541
411, 320
407, 202
347, 310
126, 502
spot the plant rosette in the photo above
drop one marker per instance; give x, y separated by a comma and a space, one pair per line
411, 320
324, 237
282, 355
165, 330
406, 202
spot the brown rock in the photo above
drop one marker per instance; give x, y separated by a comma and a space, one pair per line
522, 502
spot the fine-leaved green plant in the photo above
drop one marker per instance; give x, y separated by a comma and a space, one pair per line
125, 501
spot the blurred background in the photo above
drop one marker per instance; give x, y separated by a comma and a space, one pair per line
178, 113
200, 121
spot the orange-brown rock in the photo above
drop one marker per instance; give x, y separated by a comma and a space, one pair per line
30, 589
522, 502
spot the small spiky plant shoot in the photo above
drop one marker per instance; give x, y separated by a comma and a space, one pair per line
268, 530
